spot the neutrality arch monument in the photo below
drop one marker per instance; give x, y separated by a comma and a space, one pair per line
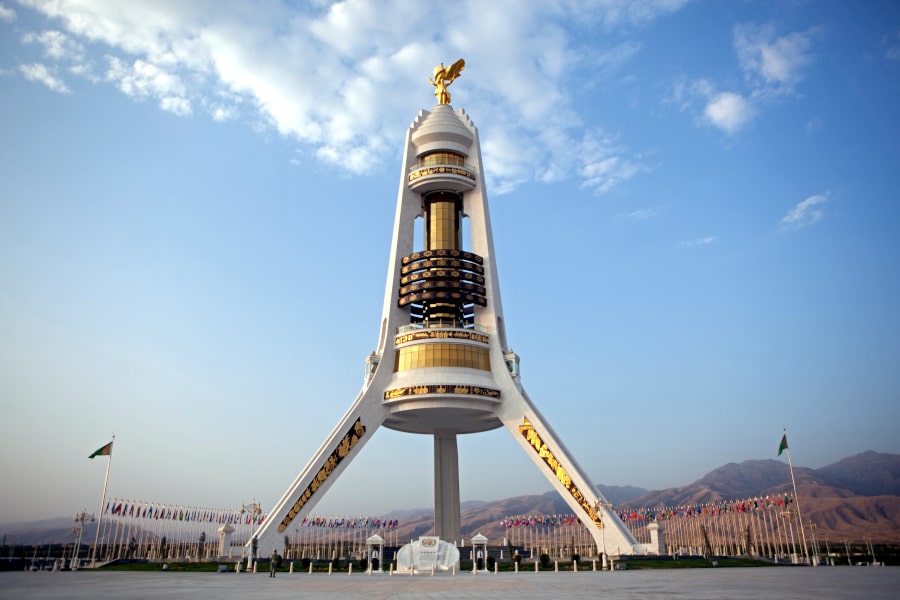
443, 366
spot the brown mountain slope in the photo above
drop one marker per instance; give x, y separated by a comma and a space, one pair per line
838, 498
867, 474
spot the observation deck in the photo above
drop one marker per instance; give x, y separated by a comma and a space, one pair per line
443, 171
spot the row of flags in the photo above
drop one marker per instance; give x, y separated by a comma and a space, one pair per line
539, 520
659, 513
709, 508
351, 522
157, 511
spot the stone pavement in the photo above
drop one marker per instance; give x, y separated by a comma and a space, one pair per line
871, 583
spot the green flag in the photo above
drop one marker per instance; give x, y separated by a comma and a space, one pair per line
104, 451
783, 445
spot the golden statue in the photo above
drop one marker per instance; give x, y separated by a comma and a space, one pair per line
443, 77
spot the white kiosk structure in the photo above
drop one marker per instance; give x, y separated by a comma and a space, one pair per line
443, 366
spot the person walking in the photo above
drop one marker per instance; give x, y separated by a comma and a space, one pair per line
273, 563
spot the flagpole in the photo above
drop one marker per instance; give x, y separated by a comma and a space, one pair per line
797, 500
102, 501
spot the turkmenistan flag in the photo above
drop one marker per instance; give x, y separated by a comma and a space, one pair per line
783, 445
103, 451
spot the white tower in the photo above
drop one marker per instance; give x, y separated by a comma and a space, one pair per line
443, 366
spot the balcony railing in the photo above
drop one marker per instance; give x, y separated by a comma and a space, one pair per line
444, 325
445, 167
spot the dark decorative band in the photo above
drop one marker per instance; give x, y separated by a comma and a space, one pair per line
448, 296
432, 334
443, 253
441, 263
434, 285
418, 390
343, 449
441, 274
419, 173
533, 438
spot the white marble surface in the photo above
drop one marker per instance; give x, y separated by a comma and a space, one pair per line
871, 583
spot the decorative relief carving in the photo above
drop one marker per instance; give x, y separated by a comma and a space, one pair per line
428, 334
426, 171
344, 447
533, 438
466, 390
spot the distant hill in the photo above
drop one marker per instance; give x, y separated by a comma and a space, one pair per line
866, 474
45, 531
853, 498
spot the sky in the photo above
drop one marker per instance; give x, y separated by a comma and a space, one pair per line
694, 207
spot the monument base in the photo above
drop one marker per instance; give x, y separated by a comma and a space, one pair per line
425, 554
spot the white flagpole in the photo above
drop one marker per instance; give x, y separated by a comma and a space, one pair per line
796, 499
112, 445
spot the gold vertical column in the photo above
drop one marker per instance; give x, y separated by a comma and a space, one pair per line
442, 232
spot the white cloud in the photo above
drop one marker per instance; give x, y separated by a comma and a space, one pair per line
142, 80
57, 45
805, 212
7, 15
770, 60
339, 77
642, 214
42, 74
635, 12
728, 111
222, 113
704, 241
772, 65
606, 172
814, 125
603, 163
175, 104
893, 48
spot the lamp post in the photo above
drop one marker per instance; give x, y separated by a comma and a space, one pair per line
787, 516
815, 557
600, 507
80, 518
254, 510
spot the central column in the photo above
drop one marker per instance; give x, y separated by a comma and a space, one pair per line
446, 488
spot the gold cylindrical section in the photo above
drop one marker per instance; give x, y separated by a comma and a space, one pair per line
421, 356
443, 232
443, 221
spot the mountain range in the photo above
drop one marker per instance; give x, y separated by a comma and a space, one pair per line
854, 498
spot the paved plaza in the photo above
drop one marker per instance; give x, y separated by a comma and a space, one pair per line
871, 583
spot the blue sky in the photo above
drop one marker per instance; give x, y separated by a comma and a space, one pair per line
695, 210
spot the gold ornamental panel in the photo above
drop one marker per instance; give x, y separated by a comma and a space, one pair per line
442, 263
442, 253
438, 284
440, 354
343, 448
442, 273
534, 439
459, 390
432, 334
426, 171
